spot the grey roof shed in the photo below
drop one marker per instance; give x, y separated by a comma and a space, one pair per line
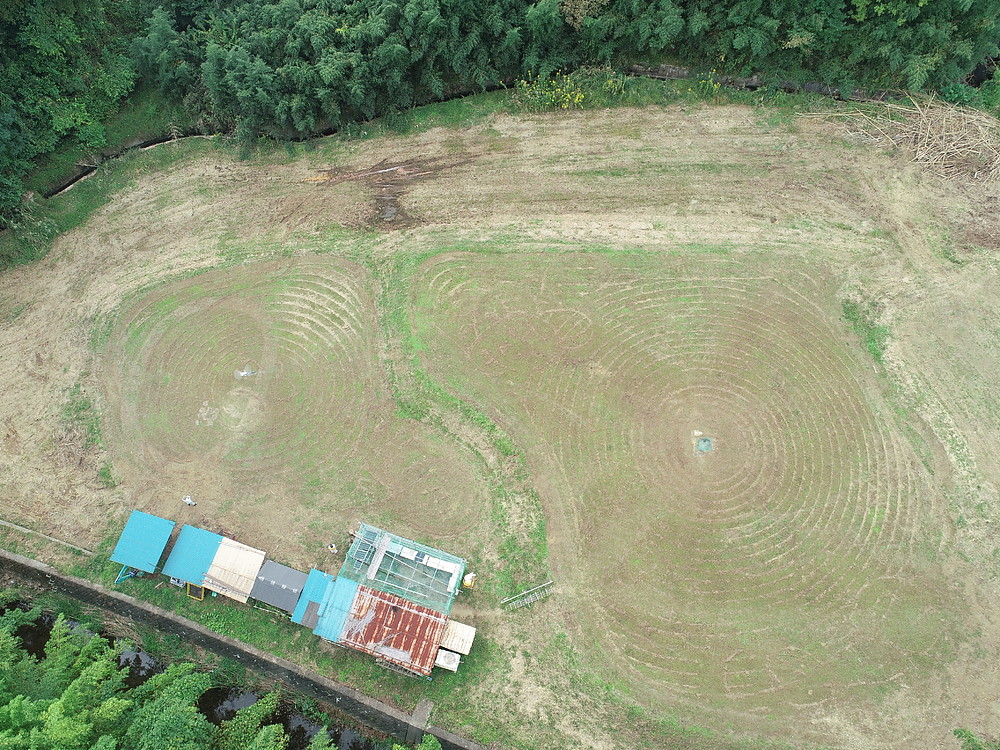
279, 586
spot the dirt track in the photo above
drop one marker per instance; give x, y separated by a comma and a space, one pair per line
771, 223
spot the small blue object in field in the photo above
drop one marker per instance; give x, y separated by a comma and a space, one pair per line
704, 444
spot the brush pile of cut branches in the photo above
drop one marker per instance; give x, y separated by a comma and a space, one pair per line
953, 142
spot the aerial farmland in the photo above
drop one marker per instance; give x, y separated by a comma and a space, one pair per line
726, 375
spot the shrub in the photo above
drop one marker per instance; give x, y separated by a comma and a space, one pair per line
538, 93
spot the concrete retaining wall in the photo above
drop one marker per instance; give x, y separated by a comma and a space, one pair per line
367, 711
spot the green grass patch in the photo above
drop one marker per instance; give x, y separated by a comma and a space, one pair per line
38, 547
873, 335
80, 414
985, 98
457, 113
969, 741
107, 477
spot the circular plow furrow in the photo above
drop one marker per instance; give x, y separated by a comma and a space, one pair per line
734, 479
264, 372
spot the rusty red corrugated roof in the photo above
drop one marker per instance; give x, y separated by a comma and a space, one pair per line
393, 629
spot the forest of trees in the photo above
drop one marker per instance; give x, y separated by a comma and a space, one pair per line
293, 67
75, 698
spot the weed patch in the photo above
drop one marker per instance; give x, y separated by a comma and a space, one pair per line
80, 415
539, 93
863, 320
106, 476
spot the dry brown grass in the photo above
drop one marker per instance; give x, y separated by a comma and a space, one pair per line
951, 141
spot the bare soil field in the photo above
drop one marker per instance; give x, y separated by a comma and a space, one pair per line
626, 324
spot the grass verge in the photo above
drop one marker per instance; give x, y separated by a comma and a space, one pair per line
144, 116
862, 317
31, 236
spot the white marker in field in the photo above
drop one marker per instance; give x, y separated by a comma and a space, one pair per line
188, 501
244, 373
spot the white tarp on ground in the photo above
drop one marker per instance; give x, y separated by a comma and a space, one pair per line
234, 570
458, 637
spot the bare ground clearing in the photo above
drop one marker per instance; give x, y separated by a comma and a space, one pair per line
827, 573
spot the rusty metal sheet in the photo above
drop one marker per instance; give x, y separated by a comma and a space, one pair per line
393, 629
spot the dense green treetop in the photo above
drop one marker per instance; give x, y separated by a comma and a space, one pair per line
291, 66
294, 67
64, 66
895, 43
75, 698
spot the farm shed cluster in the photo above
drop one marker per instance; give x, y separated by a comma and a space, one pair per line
391, 598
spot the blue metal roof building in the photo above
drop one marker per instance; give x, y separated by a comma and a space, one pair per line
141, 543
335, 607
307, 610
192, 555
